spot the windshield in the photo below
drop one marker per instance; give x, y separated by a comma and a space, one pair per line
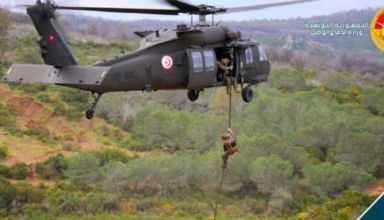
263, 55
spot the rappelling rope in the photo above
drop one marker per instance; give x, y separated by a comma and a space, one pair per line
230, 105
223, 173
218, 193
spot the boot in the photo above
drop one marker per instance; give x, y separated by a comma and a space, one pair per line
236, 86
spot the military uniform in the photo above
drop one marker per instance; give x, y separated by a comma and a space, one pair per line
229, 147
225, 69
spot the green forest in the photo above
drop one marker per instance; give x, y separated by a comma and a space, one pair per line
311, 146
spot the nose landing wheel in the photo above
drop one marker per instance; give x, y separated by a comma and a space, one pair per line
193, 94
247, 94
90, 113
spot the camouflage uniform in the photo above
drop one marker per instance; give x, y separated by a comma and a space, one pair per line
229, 146
226, 68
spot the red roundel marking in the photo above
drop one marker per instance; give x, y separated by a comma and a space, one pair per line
167, 62
51, 37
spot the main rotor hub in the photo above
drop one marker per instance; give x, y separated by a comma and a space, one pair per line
204, 10
208, 9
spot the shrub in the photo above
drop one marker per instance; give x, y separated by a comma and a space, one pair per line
349, 205
83, 169
372, 98
89, 204
59, 108
76, 98
5, 26
155, 136
290, 80
41, 133
116, 177
109, 155
73, 114
364, 150
160, 127
271, 173
53, 167
102, 202
4, 152
30, 88
264, 145
44, 98
280, 202
7, 116
5, 171
19, 171
328, 179
339, 82
324, 135
134, 143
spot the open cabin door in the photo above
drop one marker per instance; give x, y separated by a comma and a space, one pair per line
202, 68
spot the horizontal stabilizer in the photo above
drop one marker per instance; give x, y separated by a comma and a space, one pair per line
69, 75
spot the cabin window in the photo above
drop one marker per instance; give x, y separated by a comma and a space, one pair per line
197, 62
210, 62
263, 55
248, 56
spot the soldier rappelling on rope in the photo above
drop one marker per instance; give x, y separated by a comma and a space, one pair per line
229, 146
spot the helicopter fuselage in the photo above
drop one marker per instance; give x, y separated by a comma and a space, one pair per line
188, 58
184, 58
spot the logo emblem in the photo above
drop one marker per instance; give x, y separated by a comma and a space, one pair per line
377, 30
375, 211
167, 62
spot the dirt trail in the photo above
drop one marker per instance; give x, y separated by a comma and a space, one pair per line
377, 189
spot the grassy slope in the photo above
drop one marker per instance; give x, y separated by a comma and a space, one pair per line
65, 136
73, 135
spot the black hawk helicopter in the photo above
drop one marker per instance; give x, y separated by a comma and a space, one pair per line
181, 58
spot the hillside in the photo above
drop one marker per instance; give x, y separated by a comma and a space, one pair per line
36, 131
312, 144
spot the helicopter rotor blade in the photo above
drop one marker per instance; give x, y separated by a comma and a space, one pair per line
181, 6
23, 6
115, 10
124, 10
264, 6
184, 7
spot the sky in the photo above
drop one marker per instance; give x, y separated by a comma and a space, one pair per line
319, 7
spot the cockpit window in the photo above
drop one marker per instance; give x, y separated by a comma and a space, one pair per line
197, 62
263, 55
210, 62
248, 56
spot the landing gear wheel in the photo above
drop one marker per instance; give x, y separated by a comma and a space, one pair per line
247, 94
193, 95
90, 113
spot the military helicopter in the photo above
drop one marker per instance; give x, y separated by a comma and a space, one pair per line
182, 58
